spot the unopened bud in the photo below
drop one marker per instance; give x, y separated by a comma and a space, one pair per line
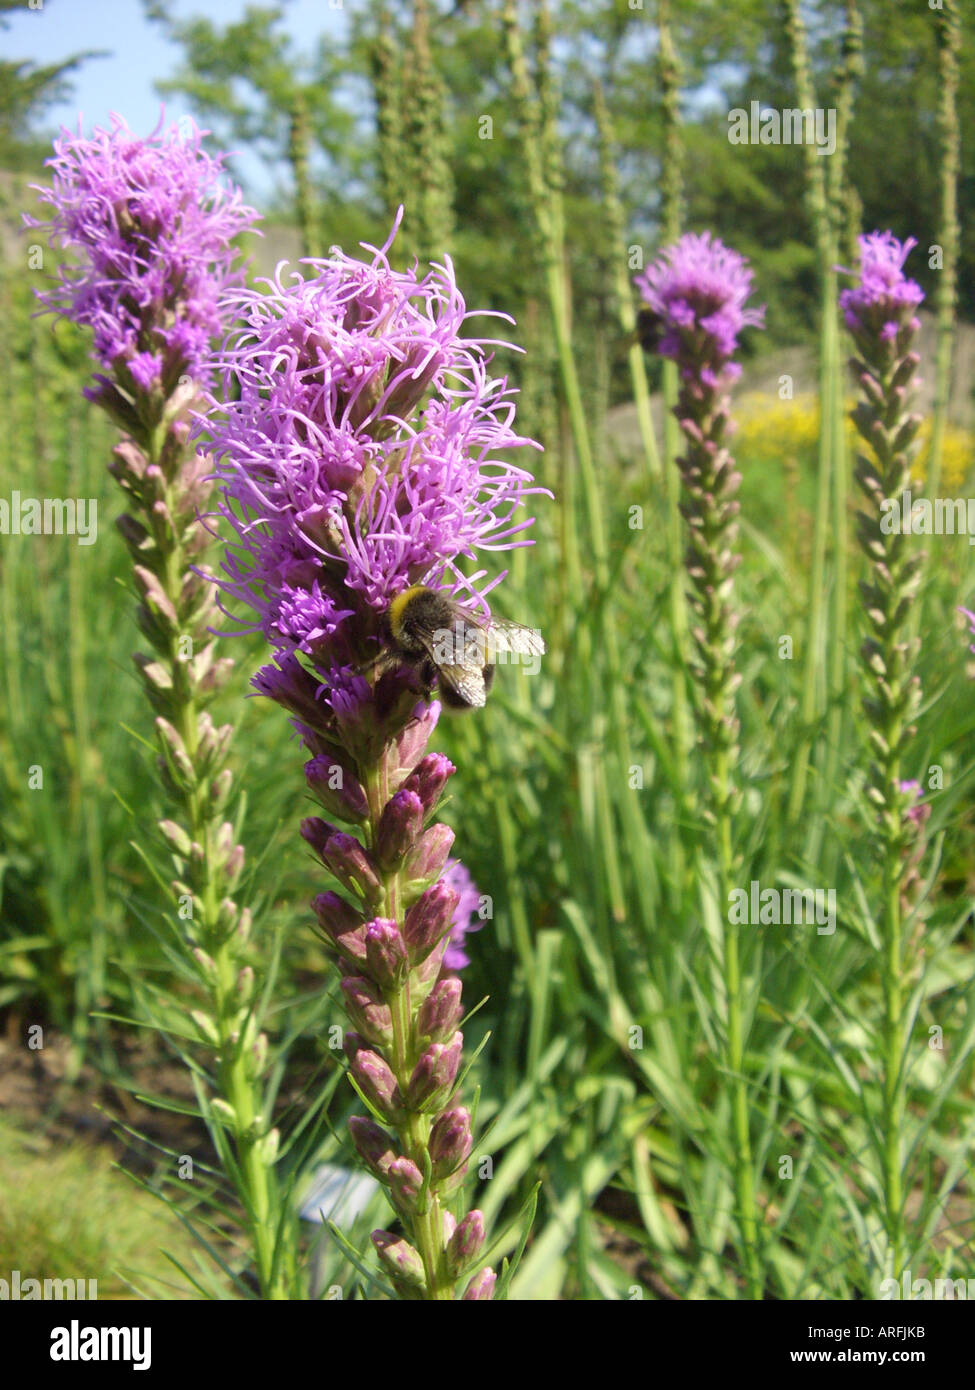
400, 1261
429, 778
450, 1141
386, 954
429, 919
481, 1287
405, 1182
399, 827
465, 1244
373, 1145
365, 1006
440, 1013
434, 1074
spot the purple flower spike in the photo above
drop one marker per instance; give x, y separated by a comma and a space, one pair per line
363, 448
354, 496
882, 304
696, 292
154, 223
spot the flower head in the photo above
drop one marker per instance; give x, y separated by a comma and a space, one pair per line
465, 917
884, 300
152, 222
360, 442
696, 290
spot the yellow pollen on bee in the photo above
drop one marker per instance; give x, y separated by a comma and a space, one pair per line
399, 604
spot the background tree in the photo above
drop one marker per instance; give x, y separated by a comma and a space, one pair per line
250, 83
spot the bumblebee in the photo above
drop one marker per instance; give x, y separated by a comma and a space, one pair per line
450, 646
649, 330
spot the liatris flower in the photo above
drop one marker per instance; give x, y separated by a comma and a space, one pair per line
365, 454
882, 304
697, 292
151, 223
880, 313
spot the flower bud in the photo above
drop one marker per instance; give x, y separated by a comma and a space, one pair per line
425, 974
434, 1074
405, 1182
338, 790
317, 833
481, 1287
341, 925
399, 826
441, 1012
427, 860
386, 954
176, 837
429, 919
429, 778
367, 1011
175, 758
410, 745
373, 1145
373, 1075
354, 867
401, 1262
450, 1141
465, 1244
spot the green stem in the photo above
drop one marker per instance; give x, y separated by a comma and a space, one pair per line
850, 68
948, 22
735, 1048
814, 685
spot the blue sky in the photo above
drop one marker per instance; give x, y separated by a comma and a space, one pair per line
138, 55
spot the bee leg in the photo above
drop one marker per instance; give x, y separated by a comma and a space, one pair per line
428, 679
384, 660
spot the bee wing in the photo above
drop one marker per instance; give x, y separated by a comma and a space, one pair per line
459, 655
503, 636
463, 685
